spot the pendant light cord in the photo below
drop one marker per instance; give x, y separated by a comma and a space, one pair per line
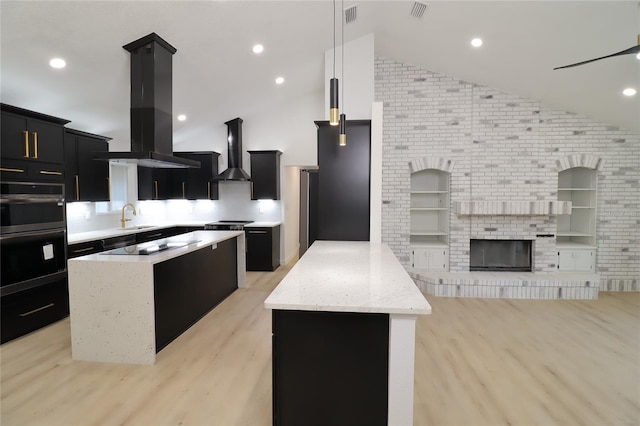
342, 34
334, 38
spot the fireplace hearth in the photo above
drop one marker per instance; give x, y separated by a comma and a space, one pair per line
500, 255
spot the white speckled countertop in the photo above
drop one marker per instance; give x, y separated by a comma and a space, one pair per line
348, 276
263, 224
203, 238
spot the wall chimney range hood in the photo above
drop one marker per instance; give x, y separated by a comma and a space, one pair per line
234, 144
151, 107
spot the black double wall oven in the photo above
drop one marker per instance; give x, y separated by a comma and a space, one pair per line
33, 287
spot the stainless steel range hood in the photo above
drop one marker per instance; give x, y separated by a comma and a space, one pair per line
234, 144
151, 107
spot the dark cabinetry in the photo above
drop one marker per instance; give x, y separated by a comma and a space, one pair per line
142, 237
265, 175
263, 248
330, 368
190, 184
29, 310
86, 179
179, 301
343, 182
32, 145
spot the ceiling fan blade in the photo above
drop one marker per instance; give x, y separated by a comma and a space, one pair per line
629, 51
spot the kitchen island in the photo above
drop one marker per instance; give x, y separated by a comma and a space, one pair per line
344, 337
125, 307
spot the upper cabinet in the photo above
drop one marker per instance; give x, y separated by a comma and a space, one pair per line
187, 184
32, 145
265, 175
86, 179
198, 184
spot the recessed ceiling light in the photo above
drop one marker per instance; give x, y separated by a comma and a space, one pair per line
258, 48
476, 42
638, 56
57, 63
279, 80
182, 117
629, 91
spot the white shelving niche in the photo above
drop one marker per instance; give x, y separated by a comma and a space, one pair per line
576, 232
429, 231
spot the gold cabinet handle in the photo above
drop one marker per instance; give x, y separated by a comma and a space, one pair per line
252, 190
82, 250
26, 314
77, 188
209, 190
155, 185
184, 195
26, 143
5, 169
256, 232
109, 188
35, 144
48, 172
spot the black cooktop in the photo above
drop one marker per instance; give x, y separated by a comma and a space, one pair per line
150, 247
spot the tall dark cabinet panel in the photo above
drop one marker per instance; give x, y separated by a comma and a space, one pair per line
344, 182
86, 179
265, 175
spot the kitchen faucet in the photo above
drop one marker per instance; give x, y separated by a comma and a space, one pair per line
123, 221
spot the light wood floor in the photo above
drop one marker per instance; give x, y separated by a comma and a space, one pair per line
478, 362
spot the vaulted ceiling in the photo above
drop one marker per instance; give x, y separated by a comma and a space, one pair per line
217, 77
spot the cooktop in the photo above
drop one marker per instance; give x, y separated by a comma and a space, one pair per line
150, 247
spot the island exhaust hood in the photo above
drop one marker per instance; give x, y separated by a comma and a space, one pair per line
234, 144
151, 107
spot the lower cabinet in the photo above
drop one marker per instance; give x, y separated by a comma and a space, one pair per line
142, 237
189, 286
330, 368
431, 258
29, 310
263, 248
577, 259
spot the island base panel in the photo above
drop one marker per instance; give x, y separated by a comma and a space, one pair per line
330, 368
188, 287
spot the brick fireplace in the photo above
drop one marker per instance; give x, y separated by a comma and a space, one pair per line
503, 154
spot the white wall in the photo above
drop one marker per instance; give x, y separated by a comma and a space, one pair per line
358, 79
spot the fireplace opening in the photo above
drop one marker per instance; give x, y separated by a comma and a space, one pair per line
500, 255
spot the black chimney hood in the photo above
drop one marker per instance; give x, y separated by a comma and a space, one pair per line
151, 107
234, 143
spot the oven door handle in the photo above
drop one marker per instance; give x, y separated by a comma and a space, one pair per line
32, 235
30, 200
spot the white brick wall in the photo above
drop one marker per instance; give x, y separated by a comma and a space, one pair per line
504, 147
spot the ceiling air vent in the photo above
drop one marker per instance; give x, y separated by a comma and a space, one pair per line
350, 14
418, 9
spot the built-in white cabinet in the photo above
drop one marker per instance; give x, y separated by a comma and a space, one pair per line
576, 232
429, 212
434, 258
576, 258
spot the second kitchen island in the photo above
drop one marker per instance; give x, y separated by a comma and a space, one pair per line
344, 337
125, 305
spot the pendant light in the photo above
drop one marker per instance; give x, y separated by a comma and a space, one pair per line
342, 139
334, 112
